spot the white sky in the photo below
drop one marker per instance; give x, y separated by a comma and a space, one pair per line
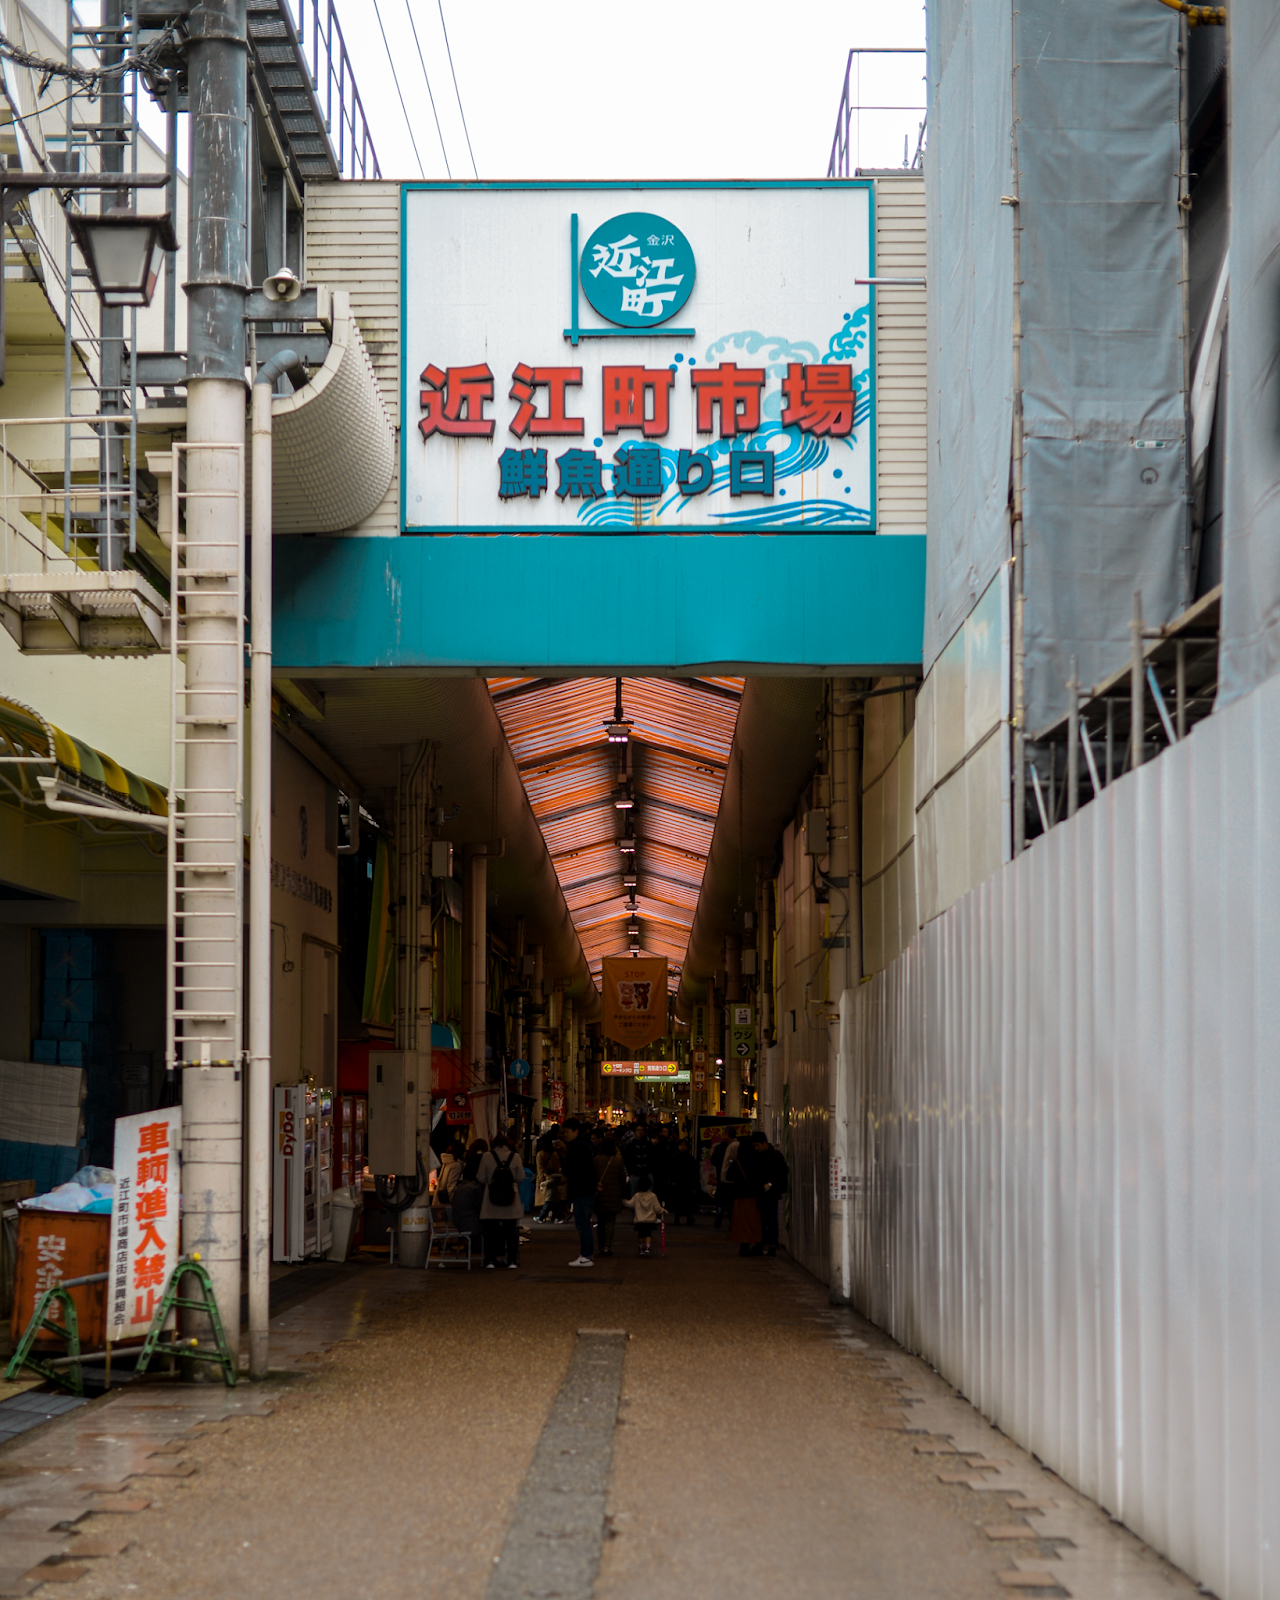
588, 89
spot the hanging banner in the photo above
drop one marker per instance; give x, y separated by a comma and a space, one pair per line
555, 1089
145, 1216
635, 998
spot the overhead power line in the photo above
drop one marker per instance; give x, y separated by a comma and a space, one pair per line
395, 78
427, 81
461, 112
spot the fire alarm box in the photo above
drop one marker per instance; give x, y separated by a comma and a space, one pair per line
441, 858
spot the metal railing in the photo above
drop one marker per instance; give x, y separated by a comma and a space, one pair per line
848, 132
334, 85
45, 525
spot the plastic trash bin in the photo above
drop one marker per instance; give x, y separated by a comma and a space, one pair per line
347, 1206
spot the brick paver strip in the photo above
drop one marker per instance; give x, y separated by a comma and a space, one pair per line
1030, 1580
959, 1477
1009, 1530
117, 1507
936, 1447
177, 1469
95, 1547
1022, 1502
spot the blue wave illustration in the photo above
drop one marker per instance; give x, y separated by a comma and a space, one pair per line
801, 513
793, 452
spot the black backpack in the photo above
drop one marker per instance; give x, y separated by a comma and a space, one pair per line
502, 1186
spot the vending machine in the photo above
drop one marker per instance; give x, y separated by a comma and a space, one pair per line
302, 1176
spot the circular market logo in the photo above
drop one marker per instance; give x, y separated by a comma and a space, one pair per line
637, 270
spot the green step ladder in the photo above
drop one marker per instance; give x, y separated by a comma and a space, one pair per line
65, 1371
191, 1349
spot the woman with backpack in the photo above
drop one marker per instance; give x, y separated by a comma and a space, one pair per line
500, 1172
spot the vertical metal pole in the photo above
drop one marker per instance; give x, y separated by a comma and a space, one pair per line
535, 1038
733, 991
1180, 710
1137, 689
475, 871
171, 200
1111, 737
260, 894
1073, 738
217, 280
111, 318
842, 817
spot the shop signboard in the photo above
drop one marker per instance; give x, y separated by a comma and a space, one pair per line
742, 1031
145, 1218
700, 1031
634, 995
556, 1089
457, 1109
680, 357
650, 1071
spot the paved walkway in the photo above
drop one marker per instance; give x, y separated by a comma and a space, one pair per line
718, 1428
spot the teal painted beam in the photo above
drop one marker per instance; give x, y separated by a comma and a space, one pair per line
596, 604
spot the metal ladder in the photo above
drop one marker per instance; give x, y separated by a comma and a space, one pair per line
205, 888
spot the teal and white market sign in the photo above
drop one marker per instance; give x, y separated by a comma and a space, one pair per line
684, 357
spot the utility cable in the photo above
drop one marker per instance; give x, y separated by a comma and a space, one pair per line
395, 78
461, 112
427, 81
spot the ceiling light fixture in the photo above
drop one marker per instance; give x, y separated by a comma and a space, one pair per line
617, 727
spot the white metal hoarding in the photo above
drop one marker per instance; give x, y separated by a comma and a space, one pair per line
695, 357
146, 1214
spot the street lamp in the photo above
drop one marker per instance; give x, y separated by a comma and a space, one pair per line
123, 251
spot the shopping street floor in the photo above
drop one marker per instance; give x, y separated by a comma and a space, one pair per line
688, 1424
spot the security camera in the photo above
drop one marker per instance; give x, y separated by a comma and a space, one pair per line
282, 285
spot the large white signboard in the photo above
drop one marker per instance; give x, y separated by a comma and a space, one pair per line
674, 358
146, 1215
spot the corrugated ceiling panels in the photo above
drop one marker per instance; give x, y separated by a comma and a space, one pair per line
681, 731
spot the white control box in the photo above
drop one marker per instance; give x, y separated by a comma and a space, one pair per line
393, 1112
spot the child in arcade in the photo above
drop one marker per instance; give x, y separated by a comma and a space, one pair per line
648, 1211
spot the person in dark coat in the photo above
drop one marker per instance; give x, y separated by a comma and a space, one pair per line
742, 1170
774, 1178
611, 1189
638, 1158
686, 1184
579, 1167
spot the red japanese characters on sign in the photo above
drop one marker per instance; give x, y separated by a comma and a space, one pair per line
450, 394
817, 399
526, 381
144, 1218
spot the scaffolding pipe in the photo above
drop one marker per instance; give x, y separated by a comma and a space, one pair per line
216, 287
1073, 738
1137, 693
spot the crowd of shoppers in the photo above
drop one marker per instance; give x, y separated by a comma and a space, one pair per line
591, 1172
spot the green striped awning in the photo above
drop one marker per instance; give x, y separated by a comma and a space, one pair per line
24, 733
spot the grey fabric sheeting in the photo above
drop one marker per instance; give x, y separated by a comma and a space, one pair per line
970, 301
1251, 534
1103, 341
